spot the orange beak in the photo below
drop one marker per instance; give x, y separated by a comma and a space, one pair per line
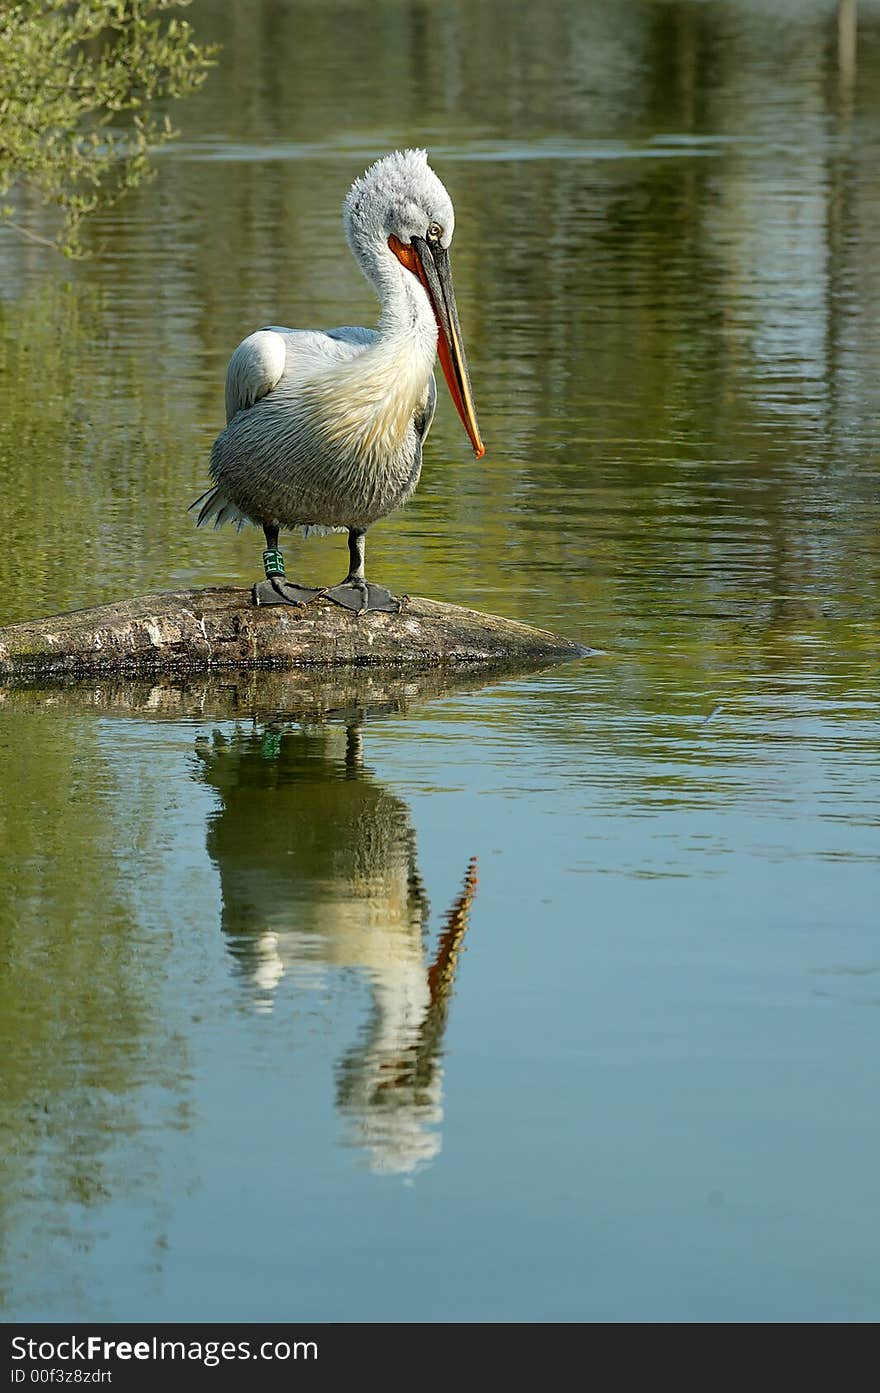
430, 263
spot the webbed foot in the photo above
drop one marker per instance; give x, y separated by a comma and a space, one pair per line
362, 596
277, 590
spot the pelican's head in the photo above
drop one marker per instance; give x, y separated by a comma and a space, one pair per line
400, 208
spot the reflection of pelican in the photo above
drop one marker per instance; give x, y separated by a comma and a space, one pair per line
297, 901
326, 429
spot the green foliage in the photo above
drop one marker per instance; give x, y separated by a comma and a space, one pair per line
77, 79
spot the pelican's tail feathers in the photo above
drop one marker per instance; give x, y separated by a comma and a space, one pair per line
216, 508
319, 529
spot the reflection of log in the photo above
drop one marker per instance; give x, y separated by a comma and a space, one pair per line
194, 630
297, 696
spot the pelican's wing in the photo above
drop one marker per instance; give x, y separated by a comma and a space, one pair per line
258, 363
254, 369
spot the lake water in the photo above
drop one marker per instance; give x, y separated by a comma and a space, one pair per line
550, 997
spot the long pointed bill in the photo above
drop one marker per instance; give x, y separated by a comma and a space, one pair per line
431, 265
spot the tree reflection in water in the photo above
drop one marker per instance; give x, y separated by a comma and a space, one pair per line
318, 870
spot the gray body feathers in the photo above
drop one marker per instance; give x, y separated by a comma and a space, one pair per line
324, 430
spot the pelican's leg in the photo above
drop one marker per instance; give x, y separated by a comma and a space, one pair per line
276, 589
356, 592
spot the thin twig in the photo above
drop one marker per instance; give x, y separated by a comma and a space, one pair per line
26, 233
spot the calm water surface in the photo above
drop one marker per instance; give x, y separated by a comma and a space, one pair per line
554, 997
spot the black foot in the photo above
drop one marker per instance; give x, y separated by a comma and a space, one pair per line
362, 596
278, 591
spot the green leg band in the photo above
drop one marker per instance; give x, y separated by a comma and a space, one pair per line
273, 562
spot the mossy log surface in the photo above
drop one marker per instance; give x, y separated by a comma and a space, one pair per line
187, 631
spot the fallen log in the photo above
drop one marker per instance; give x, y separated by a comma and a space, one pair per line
189, 631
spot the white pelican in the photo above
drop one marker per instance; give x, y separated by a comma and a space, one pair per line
325, 429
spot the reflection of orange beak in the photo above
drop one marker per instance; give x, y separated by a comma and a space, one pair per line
431, 265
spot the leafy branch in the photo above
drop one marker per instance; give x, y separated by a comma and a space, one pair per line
77, 81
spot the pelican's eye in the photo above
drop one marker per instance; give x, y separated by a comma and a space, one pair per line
435, 232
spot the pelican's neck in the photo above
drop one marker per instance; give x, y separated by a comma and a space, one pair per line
407, 320
366, 404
